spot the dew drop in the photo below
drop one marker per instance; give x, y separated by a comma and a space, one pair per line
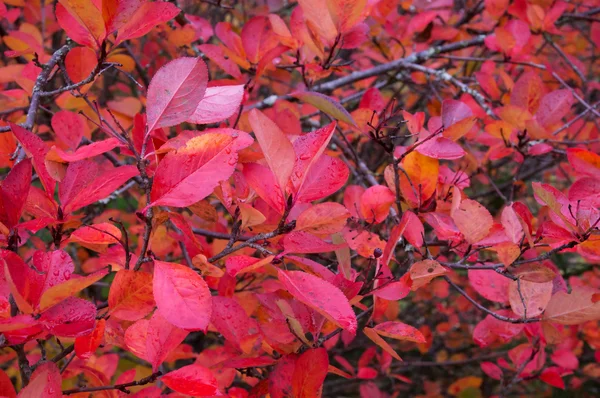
298, 174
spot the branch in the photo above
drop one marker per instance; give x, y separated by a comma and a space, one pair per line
121, 387
38, 87
417, 57
486, 310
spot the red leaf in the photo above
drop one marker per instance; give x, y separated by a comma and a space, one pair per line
69, 126
145, 19
309, 148
491, 285
280, 379
454, 111
586, 189
376, 202
321, 295
86, 151
527, 92
85, 184
263, 182
492, 370
45, 382
553, 377
553, 107
279, 152
175, 92
304, 242
257, 38
192, 380
13, 193
161, 339
86, 346
309, 373
584, 162
6, 386
491, 330
37, 149
324, 178
512, 224
182, 296
232, 322
218, 103
191, 173
82, 21
72, 317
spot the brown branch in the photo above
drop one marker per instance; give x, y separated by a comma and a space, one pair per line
378, 70
40, 84
121, 387
486, 310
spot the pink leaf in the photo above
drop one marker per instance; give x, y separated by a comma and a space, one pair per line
278, 150
441, 148
192, 379
192, 172
218, 104
84, 183
182, 296
304, 242
87, 151
321, 295
175, 92
553, 107
454, 111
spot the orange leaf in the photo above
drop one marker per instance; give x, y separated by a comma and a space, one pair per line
534, 295
575, 308
400, 331
323, 219
422, 272
375, 338
58, 293
130, 296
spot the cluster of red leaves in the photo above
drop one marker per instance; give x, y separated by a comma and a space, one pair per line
359, 178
